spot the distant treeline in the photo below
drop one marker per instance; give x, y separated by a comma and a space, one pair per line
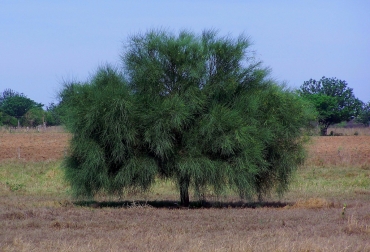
332, 98
17, 110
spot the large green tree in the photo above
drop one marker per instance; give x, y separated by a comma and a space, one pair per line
195, 109
333, 100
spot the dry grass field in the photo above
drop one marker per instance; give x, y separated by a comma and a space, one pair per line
327, 208
339, 151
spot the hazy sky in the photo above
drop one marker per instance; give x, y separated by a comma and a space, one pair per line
43, 43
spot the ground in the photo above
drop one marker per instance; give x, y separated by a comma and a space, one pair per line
33, 146
339, 150
326, 209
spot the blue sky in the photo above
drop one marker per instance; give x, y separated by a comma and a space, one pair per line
44, 43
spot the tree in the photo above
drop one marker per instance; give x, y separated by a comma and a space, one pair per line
8, 120
193, 109
8, 93
5, 118
18, 105
15, 105
333, 100
364, 115
34, 116
53, 114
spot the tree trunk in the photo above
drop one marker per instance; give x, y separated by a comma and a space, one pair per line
184, 191
260, 197
324, 130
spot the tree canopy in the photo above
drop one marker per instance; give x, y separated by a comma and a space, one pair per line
17, 106
364, 115
333, 100
33, 117
196, 109
8, 93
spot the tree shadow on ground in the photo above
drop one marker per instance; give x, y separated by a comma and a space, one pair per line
176, 205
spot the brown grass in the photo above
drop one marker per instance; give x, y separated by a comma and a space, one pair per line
70, 228
327, 209
313, 203
339, 151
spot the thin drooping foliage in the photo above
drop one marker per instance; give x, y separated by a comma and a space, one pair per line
195, 109
105, 148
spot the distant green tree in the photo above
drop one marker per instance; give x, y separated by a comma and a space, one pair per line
333, 100
53, 114
364, 115
8, 93
8, 120
35, 116
17, 106
193, 109
5, 118
14, 106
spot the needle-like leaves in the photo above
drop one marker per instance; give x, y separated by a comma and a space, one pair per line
196, 109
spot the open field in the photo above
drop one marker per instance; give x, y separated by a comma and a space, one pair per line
339, 151
327, 208
31, 146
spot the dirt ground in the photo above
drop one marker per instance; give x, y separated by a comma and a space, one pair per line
33, 146
317, 216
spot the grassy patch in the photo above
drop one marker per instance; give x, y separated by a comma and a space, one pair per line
32, 178
46, 178
330, 182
